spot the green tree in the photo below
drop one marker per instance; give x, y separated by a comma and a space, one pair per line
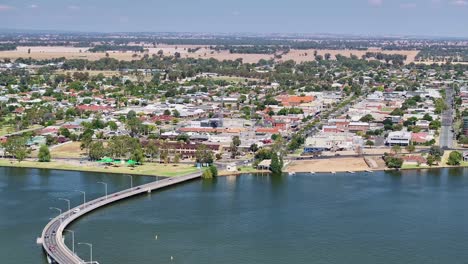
204, 155
207, 174
393, 162
367, 118
214, 171
275, 165
427, 117
369, 143
177, 158
135, 126
96, 150
396, 149
410, 148
455, 158
175, 113
64, 132
183, 137
137, 155
17, 147
112, 125
437, 152
44, 154
234, 148
397, 112
431, 160
152, 149
253, 147
131, 114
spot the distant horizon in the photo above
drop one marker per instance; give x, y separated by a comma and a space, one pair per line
447, 18
246, 33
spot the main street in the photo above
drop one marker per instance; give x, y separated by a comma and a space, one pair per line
446, 132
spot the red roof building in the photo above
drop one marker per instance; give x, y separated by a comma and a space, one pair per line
94, 108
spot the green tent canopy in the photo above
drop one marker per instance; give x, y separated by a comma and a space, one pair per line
106, 160
131, 162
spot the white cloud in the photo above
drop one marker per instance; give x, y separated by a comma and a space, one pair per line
460, 3
375, 2
33, 6
5, 8
408, 5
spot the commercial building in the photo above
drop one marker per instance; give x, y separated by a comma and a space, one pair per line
401, 138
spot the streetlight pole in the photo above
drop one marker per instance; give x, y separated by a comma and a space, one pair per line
90, 248
84, 196
131, 180
73, 238
66, 200
60, 211
105, 186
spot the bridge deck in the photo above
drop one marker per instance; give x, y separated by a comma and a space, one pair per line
52, 237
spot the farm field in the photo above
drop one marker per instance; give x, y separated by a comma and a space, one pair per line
204, 52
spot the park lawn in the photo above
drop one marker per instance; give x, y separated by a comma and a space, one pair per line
4, 130
68, 150
149, 169
410, 166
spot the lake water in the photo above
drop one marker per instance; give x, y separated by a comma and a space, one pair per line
407, 217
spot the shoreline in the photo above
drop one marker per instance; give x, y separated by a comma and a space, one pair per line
133, 171
348, 172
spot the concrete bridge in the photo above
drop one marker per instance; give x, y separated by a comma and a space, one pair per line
52, 239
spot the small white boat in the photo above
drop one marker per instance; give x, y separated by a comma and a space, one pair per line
292, 173
333, 172
312, 172
352, 172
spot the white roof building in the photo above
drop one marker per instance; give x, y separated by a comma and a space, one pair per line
401, 138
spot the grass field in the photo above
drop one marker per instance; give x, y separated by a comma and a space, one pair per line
4, 130
149, 169
67, 150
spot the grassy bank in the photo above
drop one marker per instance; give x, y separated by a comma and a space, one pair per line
149, 169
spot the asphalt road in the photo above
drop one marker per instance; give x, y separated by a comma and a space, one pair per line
52, 235
446, 133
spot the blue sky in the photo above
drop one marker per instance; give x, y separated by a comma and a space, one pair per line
374, 17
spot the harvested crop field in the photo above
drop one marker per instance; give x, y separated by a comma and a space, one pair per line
204, 52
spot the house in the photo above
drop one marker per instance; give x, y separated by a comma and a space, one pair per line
423, 124
295, 100
421, 137
266, 130
414, 160
401, 138
264, 164
358, 126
